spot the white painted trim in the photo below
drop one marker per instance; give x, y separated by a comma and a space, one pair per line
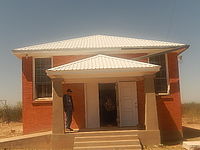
167, 75
136, 104
62, 52
120, 114
34, 93
103, 73
85, 98
117, 102
99, 124
167, 72
103, 80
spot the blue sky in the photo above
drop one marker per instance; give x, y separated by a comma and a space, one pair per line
29, 22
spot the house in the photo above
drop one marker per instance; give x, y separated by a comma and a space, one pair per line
141, 77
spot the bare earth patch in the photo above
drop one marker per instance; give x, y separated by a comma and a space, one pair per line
164, 147
11, 129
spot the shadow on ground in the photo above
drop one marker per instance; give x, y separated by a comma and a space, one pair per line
190, 133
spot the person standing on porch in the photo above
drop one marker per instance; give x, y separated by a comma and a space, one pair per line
68, 108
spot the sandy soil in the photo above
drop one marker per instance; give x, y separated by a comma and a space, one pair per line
11, 129
191, 122
164, 147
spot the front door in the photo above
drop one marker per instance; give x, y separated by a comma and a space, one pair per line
128, 103
107, 105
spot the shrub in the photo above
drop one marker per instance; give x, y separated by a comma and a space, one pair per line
192, 111
10, 113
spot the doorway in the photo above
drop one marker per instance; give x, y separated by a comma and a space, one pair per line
107, 105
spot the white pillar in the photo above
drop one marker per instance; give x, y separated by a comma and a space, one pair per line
58, 117
151, 117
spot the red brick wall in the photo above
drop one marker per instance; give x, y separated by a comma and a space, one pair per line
169, 107
36, 117
60, 60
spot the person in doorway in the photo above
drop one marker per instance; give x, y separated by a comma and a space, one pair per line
68, 108
109, 108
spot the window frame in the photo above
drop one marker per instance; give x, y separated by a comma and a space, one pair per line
34, 83
167, 76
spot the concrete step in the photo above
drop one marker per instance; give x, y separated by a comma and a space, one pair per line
111, 147
105, 133
106, 143
105, 138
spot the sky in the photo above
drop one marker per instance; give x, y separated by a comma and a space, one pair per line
30, 22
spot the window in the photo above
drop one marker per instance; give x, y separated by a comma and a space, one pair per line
160, 81
43, 84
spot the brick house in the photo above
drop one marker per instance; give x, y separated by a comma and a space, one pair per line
141, 77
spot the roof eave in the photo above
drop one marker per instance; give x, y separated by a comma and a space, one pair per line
99, 72
52, 52
184, 48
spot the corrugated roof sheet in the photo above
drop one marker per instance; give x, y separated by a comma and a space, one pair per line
102, 62
101, 41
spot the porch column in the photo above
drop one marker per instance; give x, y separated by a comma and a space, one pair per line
151, 117
58, 118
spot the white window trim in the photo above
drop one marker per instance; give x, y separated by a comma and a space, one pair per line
34, 90
167, 75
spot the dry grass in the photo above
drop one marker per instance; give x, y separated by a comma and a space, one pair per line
11, 113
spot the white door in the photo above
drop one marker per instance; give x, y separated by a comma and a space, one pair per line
128, 103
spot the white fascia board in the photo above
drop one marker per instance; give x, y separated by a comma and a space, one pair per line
104, 75
64, 52
104, 72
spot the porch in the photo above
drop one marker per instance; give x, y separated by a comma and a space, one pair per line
123, 74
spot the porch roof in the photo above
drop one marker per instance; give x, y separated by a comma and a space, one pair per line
103, 63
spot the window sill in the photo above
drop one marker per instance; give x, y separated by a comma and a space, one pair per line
43, 100
165, 96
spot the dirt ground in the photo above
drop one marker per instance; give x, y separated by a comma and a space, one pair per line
191, 132
11, 129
